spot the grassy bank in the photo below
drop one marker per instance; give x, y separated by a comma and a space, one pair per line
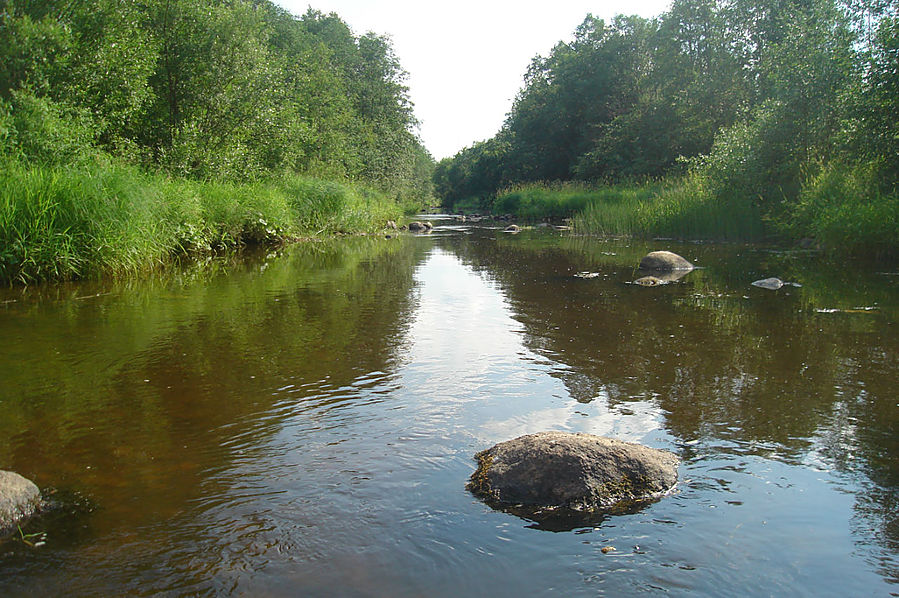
678, 208
60, 223
839, 209
555, 201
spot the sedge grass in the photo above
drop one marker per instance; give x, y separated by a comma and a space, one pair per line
59, 223
679, 208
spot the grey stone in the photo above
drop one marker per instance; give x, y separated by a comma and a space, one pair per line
576, 471
20, 498
650, 281
420, 227
664, 261
769, 283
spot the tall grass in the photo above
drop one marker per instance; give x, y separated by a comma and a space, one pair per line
842, 207
555, 201
680, 208
64, 223
685, 208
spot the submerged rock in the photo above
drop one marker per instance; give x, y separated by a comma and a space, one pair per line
672, 276
574, 471
20, 498
664, 261
769, 283
512, 228
420, 227
650, 281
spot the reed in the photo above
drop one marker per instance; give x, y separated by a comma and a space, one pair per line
841, 207
555, 201
680, 208
60, 223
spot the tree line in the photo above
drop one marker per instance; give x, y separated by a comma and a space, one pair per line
207, 89
772, 101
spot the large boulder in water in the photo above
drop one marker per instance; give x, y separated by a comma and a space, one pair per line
664, 261
19, 499
575, 471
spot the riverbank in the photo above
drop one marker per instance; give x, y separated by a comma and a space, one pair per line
839, 210
63, 223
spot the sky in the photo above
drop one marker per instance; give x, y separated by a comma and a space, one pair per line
466, 59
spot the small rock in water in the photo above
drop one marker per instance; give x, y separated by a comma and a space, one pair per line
512, 228
769, 283
607, 549
586, 275
650, 281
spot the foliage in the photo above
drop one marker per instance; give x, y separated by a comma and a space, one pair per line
208, 89
238, 107
741, 105
38, 130
842, 208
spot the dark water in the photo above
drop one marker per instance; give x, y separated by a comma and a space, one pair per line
303, 423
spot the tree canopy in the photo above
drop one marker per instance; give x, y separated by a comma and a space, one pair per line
758, 95
209, 89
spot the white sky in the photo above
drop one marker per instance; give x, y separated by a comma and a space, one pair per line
466, 59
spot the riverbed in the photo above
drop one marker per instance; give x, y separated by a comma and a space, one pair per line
302, 421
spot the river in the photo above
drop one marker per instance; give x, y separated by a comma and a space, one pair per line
303, 421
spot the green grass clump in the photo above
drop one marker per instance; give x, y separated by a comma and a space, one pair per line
547, 201
680, 208
677, 208
472, 205
59, 223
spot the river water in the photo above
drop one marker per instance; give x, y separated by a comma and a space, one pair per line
303, 422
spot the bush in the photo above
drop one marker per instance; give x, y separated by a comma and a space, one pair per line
844, 208
38, 130
755, 160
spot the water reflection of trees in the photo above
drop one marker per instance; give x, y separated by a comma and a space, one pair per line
133, 393
727, 364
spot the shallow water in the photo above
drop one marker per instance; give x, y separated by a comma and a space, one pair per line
303, 422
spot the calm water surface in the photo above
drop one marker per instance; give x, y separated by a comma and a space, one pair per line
303, 422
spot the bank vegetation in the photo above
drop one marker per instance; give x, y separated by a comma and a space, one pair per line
737, 119
134, 130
